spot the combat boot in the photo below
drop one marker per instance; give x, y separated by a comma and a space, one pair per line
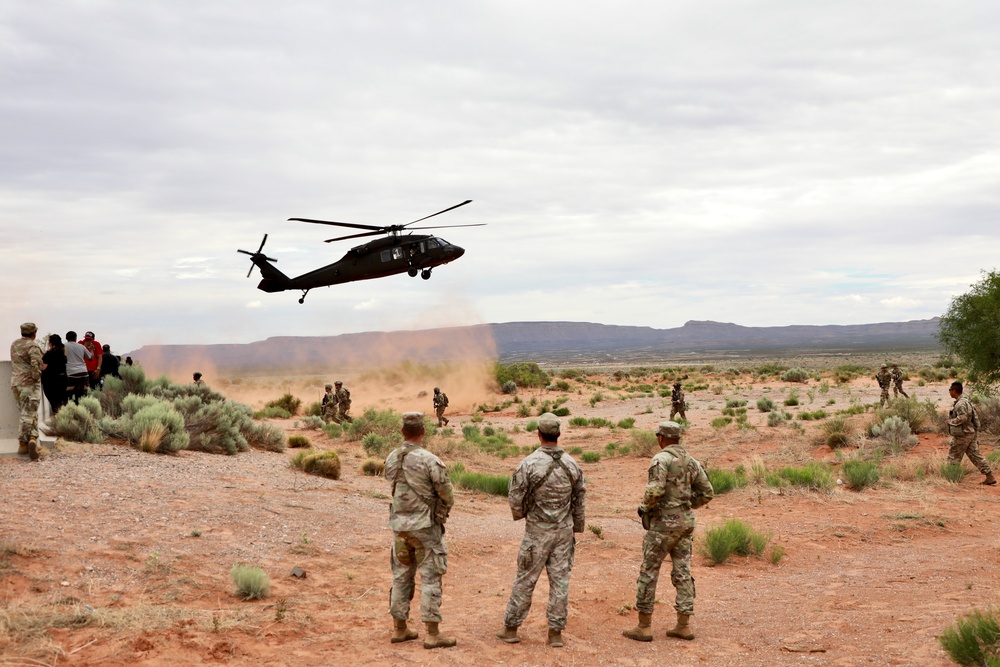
22, 447
33, 450
434, 639
509, 635
682, 630
990, 479
555, 638
401, 633
641, 632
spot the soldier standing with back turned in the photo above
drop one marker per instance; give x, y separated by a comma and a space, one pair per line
422, 497
26, 383
548, 491
677, 401
677, 485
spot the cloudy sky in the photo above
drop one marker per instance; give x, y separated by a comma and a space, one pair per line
644, 163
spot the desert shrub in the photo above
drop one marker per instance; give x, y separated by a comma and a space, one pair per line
272, 412
988, 411
333, 430
795, 375
509, 387
252, 583
522, 374
775, 418
974, 640
994, 456
496, 485
574, 451
313, 423
314, 409
735, 402
77, 423
814, 415
523, 410
732, 537
532, 425
953, 472
287, 402
217, 427
571, 373
383, 422
372, 468
298, 441
133, 379
317, 462
919, 415
264, 436
860, 474
151, 425
590, 457
812, 476
561, 385
643, 442
378, 445
765, 404
560, 412
627, 422
724, 481
721, 422
579, 421
596, 398
793, 399
893, 434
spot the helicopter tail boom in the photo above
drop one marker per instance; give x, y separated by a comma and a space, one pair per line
272, 280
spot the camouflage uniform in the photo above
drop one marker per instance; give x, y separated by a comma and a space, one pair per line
440, 403
964, 437
677, 483
343, 398
884, 377
897, 382
26, 384
548, 491
329, 405
677, 402
421, 500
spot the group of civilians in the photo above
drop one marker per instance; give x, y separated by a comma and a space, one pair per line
70, 368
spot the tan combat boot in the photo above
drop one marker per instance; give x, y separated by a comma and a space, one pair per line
33, 449
555, 638
641, 632
22, 447
682, 630
401, 633
990, 479
435, 639
509, 635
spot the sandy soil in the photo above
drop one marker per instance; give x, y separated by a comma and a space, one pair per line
114, 557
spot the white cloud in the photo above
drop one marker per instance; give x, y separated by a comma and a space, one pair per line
899, 302
253, 304
366, 305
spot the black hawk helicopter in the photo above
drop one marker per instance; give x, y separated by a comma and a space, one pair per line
397, 253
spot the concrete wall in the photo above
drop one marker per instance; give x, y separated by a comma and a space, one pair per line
9, 414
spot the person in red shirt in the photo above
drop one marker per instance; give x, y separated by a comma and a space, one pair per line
94, 363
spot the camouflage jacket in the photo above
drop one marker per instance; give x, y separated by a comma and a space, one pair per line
897, 375
26, 363
961, 417
343, 397
440, 400
883, 378
677, 396
328, 398
421, 489
677, 482
542, 497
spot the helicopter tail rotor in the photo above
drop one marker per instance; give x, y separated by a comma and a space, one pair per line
259, 256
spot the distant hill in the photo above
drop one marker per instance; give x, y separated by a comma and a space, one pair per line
524, 340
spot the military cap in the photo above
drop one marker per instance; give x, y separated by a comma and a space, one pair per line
437, 390
669, 430
548, 424
329, 386
28, 328
677, 384
339, 383
413, 419
885, 365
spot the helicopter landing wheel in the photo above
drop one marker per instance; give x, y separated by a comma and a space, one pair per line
302, 299
412, 272
425, 274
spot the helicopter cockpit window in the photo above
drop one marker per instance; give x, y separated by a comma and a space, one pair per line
432, 243
386, 255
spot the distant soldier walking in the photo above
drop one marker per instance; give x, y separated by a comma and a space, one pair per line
440, 403
421, 500
548, 491
677, 485
329, 405
883, 377
897, 382
963, 425
26, 383
343, 398
677, 401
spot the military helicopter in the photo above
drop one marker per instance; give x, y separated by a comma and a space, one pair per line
397, 253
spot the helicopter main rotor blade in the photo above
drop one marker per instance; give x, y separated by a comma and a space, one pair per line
353, 225
354, 236
478, 224
450, 208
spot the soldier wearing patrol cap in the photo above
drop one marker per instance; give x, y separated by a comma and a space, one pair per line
677, 401
422, 498
548, 491
884, 377
677, 485
329, 405
26, 383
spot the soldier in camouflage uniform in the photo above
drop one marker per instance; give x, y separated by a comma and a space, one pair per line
440, 403
26, 383
897, 382
963, 425
677, 401
677, 484
421, 500
548, 491
884, 377
329, 405
343, 398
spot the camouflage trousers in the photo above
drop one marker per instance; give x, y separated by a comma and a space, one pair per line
676, 408
967, 444
884, 397
341, 415
415, 550
547, 547
442, 420
669, 535
27, 397
330, 412
897, 389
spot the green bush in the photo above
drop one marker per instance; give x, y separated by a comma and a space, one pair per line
77, 423
893, 434
298, 441
795, 375
953, 472
287, 402
560, 412
579, 421
859, 474
574, 451
508, 387
152, 425
252, 583
388, 423
272, 412
372, 468
532, 425
264, 436
378, 445
724, 481
596, 398
735, 402
497, 485
311, 423
522, 374
776, 418
765, 404
626, 423
561, 385
643, 442
837, 432
316, 462
732, 537
590, 457
333, 431
314, 409
812, 476
920, 416
721, 422
974, 640
793, 399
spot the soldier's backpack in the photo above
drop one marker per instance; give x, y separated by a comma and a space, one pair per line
444, 400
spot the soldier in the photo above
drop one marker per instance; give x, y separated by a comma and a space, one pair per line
548, 491
963, 425
26, 383
897, 382
677, 401
329, 405
884, 377
343, 397
196, 379
440, 403
677, 485
421, 500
